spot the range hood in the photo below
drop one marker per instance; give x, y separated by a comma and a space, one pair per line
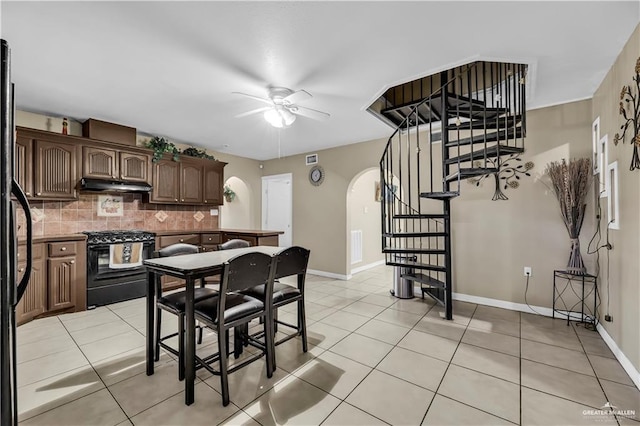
101, 185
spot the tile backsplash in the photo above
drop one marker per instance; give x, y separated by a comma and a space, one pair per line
70, 217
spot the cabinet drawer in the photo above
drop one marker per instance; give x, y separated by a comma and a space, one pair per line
174, 239
209, 247
37, 251
62, 249
211, 239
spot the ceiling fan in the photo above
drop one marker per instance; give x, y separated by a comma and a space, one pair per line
283, 107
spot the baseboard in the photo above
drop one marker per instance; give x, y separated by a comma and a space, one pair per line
365, 267
329, 274
620, 356
540, 310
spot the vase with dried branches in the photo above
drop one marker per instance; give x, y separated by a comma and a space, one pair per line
570, 183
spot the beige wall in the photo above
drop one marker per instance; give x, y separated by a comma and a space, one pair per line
364, 215
624, 273
237, 214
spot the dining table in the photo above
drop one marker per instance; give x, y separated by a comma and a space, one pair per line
191, 268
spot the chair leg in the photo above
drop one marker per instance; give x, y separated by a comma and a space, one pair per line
181, 347
269, 346
158, 328
238, 341
200, 332
302, 324
224, 380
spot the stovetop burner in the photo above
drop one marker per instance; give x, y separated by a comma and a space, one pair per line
118, 236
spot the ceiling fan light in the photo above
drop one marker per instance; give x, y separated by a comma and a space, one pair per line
273, 117
288, 117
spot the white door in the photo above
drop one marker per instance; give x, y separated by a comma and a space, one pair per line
277, 200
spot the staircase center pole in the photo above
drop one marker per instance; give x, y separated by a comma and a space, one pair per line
448, 304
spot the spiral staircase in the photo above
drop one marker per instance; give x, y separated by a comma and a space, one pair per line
448, 127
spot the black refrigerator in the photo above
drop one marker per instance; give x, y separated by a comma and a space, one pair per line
10, 289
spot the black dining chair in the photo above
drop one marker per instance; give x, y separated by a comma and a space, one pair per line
232, 309
175, 304
292, 261
231, 244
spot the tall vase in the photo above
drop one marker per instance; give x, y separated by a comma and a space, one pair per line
576, 264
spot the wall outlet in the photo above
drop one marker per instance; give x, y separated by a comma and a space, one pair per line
608, 318
527, 271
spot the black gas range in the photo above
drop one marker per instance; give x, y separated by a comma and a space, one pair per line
114, 265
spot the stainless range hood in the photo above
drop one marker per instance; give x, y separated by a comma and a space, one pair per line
101, 185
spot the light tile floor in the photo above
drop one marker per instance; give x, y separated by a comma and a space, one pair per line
372, 359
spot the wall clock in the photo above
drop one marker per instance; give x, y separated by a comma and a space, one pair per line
316, 175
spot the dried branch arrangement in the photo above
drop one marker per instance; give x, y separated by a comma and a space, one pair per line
570, 183
630, 111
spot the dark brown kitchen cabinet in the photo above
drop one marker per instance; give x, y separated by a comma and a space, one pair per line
111, 164
34, 299
24, 164
55, 170
213, 179
135, 167
190, 181
166, 182
63, 275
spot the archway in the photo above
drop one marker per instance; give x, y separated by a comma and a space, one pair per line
236, 214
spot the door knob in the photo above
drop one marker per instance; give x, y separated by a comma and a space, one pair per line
72, 262
63, 249
21, 270
181, 240
176, 199
38, 193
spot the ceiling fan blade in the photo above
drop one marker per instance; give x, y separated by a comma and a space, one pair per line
299, 96
310, 113
257, 98
253, 111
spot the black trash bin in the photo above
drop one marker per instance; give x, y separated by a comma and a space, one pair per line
402, 287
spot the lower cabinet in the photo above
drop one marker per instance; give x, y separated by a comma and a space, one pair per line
34, 300
58, 280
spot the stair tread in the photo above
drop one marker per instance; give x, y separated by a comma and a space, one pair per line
500, 135
424, 279
491, 152
413, 234
420, 216
446, 195
466, 173
412, 250
492, 123
417, 265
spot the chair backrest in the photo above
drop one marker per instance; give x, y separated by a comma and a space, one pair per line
234, 244
291, 261
245, 271
176, 250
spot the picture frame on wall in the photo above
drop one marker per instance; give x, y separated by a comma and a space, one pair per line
613, 202
595, 140
110, 205
603, 156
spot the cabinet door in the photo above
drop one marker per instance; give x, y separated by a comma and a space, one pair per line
191, 182
135, 167
213, 175
56, 173
99, 163
62, 282
24, 164
34, 299
166, 182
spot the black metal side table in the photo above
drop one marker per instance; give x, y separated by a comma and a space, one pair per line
564, 281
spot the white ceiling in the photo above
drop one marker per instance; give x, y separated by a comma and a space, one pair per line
168, 68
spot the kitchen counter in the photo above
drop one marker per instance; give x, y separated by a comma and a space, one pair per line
54, 238
249, 232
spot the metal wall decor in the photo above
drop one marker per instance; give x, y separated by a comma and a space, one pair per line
508, 175
630, 111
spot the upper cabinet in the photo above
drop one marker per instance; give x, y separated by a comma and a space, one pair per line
24, 164
213, 180
188, 181
111, 164
191, 181
55, 170
166, 182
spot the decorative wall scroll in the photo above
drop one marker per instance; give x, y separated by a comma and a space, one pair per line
629, 109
